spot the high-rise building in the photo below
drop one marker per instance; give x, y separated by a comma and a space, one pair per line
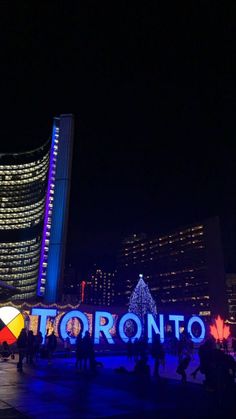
231, 295
71, 286
6, 291
99, 289
184, 269
34, 194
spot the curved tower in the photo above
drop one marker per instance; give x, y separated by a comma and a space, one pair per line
23, 181
34, 193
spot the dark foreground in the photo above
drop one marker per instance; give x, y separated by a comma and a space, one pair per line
58, 391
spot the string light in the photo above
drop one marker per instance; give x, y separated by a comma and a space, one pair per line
141, 301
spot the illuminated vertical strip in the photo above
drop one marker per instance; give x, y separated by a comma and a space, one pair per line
48, 211
59, 215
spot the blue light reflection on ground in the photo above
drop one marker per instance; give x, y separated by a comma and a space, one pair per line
62, 392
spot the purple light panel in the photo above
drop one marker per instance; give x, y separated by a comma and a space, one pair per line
48, 211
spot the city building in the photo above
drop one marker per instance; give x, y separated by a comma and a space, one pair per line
184, 269
99, 289
34, 195
71, 286
231, 295
71, 281
6, 291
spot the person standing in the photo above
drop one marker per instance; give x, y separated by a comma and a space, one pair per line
51, 346
30, 348
67, 347
79, 351
22, 343
38, 344
88, 352
157, 353
184, 360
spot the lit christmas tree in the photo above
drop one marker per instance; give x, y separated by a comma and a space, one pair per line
141, 301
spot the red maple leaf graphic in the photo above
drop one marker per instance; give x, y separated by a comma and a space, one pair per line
219, 330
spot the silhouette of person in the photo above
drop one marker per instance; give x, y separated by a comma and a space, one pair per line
22, 348
30, 347
67, 346
5, 350
204, 353
38, 343
88, 351
79, 352
184, 360
51, 345
207, 362
158, 354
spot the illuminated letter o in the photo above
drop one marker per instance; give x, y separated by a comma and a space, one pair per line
136, 319
203, 330
79, 315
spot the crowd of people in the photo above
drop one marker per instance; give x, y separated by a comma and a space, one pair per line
218, 366
215, 362
30, 347
84, 350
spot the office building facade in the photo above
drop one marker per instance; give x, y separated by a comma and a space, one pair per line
34, 195
184, 269
231, 295
99, 289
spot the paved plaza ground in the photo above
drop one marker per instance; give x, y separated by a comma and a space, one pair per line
59, 391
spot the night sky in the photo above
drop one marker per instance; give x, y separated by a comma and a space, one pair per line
153, 92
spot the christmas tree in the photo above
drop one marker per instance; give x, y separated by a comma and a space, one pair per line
141, 301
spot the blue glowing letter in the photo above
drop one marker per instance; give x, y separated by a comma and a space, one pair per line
203, 332
130, 316
43, 314
151, 322
176, 319
103, 328
74, 313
